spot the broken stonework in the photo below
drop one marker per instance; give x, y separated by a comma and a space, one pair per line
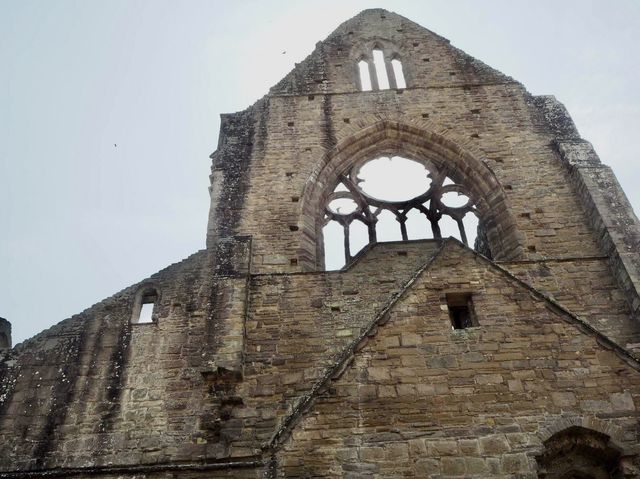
419, 358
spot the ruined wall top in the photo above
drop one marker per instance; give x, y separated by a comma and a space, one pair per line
247, 336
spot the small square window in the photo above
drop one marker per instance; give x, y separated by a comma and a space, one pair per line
461, 311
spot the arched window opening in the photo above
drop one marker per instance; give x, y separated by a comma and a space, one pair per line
579, 453
365, 75
387, 226
449, 227
398, 73
358, 236
377, 72
417, 227
391, 198
144, 306
381, 69
334, 255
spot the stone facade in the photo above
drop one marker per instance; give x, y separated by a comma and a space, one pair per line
256, 362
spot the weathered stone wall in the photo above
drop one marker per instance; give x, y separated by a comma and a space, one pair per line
143, 394
587, 288
549, 216
97, 389
316, 113
298, 325
318, 105
259, 363
423, 400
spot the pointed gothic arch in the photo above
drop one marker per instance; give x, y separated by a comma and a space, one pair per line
577, 452
387, 137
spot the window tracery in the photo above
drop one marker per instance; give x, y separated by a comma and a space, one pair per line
367, 206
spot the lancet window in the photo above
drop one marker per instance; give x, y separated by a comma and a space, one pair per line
379, 71
394, 198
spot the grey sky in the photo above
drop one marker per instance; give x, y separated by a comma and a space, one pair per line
82, 218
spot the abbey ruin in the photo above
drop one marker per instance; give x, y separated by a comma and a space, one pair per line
509, 351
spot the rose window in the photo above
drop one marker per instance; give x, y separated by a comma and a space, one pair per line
392, 198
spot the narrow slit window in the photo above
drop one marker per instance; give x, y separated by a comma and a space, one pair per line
398, 73
461, 311
146, 313
381, 69
365, 77
143, 311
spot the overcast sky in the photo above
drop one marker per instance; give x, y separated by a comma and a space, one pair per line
82, 218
